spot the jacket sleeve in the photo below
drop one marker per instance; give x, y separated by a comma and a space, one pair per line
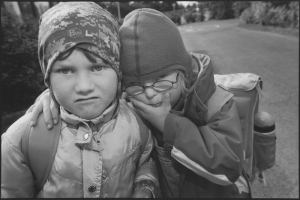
213, 151
146, 173
16, 177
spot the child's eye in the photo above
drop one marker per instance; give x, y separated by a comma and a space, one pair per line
97, 68
65, 71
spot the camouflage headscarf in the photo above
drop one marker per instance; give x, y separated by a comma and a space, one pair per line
82, 24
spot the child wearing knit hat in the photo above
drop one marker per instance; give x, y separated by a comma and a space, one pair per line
199, 153
103, 148
195, 123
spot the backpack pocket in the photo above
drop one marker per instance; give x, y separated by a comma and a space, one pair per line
264, 149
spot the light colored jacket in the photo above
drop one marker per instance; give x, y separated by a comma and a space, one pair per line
102, 160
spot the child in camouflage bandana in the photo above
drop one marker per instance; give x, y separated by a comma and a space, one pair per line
104, 149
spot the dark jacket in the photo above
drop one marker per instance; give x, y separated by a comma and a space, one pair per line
200, 153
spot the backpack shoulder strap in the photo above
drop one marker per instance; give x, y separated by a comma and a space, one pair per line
217, 100
39, 146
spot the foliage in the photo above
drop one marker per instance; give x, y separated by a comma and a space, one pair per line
128, 6
282, 14
239, 6
21, 77
221, 10
189, 17
218, 9
176, 19
125, 8
166, 6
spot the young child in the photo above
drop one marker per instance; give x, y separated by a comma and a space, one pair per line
195, 123
103, 150
198, 137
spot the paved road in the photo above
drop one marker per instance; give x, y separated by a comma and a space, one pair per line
276, 59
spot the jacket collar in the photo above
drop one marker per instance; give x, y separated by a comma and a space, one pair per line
84, 132
204, 85
104, 117
201, 81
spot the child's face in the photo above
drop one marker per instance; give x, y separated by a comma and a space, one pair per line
82, 87
154, 97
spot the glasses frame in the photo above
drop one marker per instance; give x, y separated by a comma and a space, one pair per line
151, 86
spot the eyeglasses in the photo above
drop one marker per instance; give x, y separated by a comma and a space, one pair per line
159, 86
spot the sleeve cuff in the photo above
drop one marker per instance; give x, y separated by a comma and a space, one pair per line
170, 130
147, 184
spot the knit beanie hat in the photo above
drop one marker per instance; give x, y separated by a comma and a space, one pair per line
82, 24
151, 45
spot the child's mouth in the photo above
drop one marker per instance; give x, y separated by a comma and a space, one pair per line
155, 105
87, 99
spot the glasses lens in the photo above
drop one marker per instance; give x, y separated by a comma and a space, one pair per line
134, 90
162, 85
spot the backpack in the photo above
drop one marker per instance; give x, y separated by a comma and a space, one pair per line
39, 146
259, 143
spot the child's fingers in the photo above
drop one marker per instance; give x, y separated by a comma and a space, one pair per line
37, 108
166, 102
47, 113
34, 114
139, 105
54, 108
36, 111
166, 99
135, 103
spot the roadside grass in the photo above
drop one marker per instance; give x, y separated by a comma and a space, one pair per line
294, 32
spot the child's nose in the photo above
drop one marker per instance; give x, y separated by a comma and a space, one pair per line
150, 92
84, 84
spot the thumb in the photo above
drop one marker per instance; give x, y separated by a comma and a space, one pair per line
166, 99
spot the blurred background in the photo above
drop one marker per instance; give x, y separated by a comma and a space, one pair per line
21, 75
260, 37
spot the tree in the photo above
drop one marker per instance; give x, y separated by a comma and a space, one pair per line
21, 77
279, 3
221, 9
271, 13
239, 6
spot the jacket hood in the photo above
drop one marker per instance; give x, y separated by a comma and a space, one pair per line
202, 77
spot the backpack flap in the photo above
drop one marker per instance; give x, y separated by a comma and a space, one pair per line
246, 88
238, 81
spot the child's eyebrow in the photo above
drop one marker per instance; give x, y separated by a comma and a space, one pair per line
100, 61
62, 65
107, 65
132, 83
